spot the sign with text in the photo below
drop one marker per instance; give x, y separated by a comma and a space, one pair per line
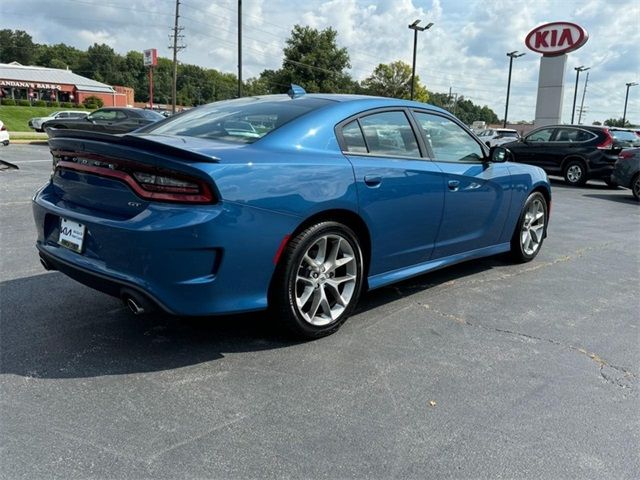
556, 38
150, 57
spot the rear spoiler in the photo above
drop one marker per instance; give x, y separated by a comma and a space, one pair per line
57, 137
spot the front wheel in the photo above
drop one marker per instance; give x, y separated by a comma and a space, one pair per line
635, 186
575, 173
319, 280
531, 228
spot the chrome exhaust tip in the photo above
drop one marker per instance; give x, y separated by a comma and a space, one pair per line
133, 306
137, 303
45, 264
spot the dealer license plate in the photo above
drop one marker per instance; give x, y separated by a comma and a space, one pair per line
71, 235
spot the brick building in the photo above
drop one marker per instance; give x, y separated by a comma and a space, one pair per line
54, 84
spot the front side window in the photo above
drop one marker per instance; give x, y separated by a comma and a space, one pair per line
449, 142
389, 134
543, 135
103, 115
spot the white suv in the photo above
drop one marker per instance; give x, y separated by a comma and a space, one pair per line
498, 136
36, 123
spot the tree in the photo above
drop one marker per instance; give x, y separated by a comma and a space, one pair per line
597, 123
467, 111
16, 46
394, 80
617, 122
313, 60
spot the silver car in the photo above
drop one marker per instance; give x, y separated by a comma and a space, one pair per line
36, 123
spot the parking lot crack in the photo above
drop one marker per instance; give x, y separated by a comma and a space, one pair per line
615, 375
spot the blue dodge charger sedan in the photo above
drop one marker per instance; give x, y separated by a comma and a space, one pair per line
295, 202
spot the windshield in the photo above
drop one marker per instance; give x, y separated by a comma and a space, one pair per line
244, 120
624, 135
151, 115
507, 133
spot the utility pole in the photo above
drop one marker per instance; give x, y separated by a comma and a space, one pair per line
239, 48
511, 56
626, 99
579, 69
414, 26
584, 92
176, 48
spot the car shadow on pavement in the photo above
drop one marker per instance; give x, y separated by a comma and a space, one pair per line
628, 199
53, 327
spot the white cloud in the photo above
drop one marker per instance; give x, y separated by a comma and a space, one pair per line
464, 50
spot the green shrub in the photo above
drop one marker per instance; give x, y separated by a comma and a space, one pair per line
40, 103
24, 103
53, 104
91, 106
9, 102
93, 100
73, 105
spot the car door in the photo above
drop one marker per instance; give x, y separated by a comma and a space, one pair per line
535, 148
478, 192
400, 192
99, 120
121, 123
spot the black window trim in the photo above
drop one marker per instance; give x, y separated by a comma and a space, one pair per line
483, 148
422, 148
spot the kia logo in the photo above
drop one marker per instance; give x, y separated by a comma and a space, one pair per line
556, 38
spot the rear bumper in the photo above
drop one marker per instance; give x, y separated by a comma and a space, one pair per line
190, 260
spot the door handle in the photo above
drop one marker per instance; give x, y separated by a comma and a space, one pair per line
454, 185
372, 180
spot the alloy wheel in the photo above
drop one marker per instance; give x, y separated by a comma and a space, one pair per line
326, 280
532, 227
574, 173
636, 187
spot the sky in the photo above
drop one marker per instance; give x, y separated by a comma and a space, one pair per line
465, 50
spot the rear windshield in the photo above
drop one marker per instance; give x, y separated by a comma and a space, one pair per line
244, 120
624, 135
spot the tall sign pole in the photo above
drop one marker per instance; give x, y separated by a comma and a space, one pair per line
150, 60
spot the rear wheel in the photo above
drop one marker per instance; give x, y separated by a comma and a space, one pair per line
319, 280
6, 143
635, 186
530, 231
611, 183
575, 173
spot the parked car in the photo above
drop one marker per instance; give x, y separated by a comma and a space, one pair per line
576, 152
340, 194
498, 136
108, 120
625, 138
4, 134
627, 170
36, 122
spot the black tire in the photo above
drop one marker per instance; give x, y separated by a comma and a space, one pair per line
635, 186
611, 183
518, 250
575, 173
283, 301
6, 143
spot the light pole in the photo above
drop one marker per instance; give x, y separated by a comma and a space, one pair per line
626, 98
511, 56
239, 48
414, 26
579, 69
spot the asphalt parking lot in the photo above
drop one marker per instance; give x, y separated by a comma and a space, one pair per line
484, 370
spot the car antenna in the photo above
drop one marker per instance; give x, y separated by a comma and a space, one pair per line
296, 91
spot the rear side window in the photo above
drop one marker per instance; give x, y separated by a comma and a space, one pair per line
390, 134
353, 138
573, 135
244, 120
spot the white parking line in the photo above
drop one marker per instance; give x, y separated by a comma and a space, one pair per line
17, 162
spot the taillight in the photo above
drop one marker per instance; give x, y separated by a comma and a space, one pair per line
3, 128
151, 183
625, 154
607, 144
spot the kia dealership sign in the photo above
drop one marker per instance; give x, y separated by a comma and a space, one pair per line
556, 38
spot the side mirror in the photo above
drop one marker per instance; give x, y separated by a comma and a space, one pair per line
500, 155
